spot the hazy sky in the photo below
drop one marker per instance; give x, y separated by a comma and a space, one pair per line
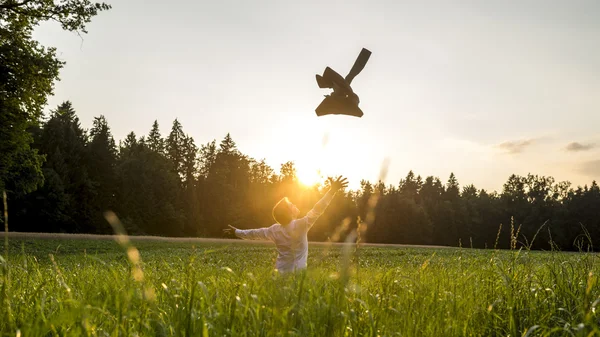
479, 88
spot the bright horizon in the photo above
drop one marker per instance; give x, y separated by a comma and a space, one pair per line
482, 90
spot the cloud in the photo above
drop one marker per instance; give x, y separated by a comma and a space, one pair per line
591, 168
515, 146
575, 147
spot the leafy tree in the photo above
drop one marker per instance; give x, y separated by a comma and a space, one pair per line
27, 74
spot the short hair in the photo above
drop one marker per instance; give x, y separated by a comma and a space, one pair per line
281, 212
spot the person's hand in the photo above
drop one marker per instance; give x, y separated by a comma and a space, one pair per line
230, 230
337, 184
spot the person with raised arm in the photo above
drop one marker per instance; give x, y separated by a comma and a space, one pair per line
289, 233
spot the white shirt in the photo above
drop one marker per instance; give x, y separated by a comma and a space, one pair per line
291, 240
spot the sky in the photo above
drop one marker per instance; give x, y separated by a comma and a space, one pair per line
483, 89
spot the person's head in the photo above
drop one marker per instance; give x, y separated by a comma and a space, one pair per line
284, 211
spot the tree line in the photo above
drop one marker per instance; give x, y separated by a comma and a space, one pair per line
170, 186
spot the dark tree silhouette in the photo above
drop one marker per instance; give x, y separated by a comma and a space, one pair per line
172, 187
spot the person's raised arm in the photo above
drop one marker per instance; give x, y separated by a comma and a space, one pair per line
320, 207
249, 234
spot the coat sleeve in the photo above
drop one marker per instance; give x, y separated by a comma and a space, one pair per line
319, 208
254, 234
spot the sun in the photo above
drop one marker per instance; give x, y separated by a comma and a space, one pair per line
308, 176
321, 148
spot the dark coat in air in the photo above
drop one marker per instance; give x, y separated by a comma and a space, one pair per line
343, 100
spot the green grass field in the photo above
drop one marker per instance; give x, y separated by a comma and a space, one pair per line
59, 287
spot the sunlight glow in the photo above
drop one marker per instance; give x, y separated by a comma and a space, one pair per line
326, 146
309, 176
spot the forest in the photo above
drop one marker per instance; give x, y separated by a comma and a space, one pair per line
171, 186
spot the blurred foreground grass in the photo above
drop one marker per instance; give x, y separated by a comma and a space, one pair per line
61, 287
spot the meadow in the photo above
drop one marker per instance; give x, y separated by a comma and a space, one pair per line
128, 287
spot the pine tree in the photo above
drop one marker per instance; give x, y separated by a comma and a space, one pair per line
452, 187
190, 162
227, 146
101, 168
128, 146
148, 191
208, 156
175, 144
155, 141
64, 203
190, 186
